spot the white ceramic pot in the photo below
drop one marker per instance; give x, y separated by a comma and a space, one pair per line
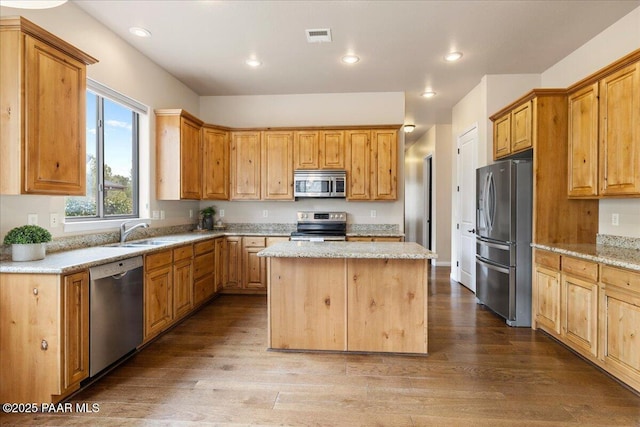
28, 252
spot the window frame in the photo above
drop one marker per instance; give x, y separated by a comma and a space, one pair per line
101, 93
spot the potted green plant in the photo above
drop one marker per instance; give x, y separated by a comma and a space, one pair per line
207, 217
28, 242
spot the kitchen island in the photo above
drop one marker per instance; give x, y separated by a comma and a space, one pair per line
347, 296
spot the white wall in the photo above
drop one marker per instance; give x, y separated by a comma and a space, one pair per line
493, 93
437, 143
331, 109
124, 69
613, 43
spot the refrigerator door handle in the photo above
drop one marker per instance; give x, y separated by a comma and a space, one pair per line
493, 245
492, 266
491, 200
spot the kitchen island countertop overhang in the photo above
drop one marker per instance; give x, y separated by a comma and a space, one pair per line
363, 250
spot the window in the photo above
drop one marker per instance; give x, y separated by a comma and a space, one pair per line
112, 159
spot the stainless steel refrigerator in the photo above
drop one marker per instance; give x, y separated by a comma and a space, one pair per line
503, 239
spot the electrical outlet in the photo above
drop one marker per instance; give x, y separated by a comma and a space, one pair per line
161, 214
155, 215
32, 219
190, 213
221, 213
615, 219
373, 213
53, 220
265, 213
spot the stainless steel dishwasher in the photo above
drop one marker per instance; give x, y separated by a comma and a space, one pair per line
115, 311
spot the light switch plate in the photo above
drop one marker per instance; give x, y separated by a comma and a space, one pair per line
32, 219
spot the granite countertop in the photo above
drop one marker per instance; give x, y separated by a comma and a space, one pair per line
374, 250
606, 254
67, 261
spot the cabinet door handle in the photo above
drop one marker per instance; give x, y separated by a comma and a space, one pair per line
35, 291
44, 345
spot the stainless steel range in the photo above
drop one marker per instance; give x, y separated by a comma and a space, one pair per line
320, 226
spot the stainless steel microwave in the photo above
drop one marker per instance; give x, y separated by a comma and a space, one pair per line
320, 183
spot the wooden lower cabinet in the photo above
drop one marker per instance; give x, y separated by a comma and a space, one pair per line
158, 292
620, 324
182, 280
580, 314
44, 336
599, 311
204, 267
75, 309
219, 262
232, 263
253, 268
546, 291
246, 272
317, 302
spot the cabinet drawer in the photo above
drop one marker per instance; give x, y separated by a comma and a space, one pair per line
548, 259
156, 260
625, 279
183, 252
254, 242
203, 265
202, 247
580, 268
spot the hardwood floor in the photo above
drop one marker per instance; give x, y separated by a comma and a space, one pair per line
214, 369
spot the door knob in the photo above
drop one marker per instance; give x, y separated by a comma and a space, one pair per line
473, 230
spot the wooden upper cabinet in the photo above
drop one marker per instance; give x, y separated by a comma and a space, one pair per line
215, 164
620, 132
583, 142
512, 130
502, 136
42, 126
277, 165
178, 155
319, 150
358, 164
604, 132
521, 118
245, 165
306, 150
332, 154
384, 164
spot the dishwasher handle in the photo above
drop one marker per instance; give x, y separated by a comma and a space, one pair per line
120, 276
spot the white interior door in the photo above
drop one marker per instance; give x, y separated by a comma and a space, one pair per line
467, 153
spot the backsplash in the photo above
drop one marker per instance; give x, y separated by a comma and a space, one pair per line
99, 239
619, 241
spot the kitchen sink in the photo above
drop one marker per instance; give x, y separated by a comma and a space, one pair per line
142, 243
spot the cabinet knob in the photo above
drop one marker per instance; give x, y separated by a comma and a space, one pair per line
44, 345
35, 291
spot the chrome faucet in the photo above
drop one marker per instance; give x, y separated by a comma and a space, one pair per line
124, 232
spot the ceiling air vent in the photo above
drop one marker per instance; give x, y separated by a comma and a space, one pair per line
319, 35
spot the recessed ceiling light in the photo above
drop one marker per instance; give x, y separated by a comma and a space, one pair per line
428, 94
33, 4
140, 32
350, 59
452, 56
253, 62
409, 128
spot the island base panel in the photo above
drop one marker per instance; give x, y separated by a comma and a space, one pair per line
307, 306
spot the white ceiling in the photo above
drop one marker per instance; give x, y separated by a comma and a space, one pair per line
401, 44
